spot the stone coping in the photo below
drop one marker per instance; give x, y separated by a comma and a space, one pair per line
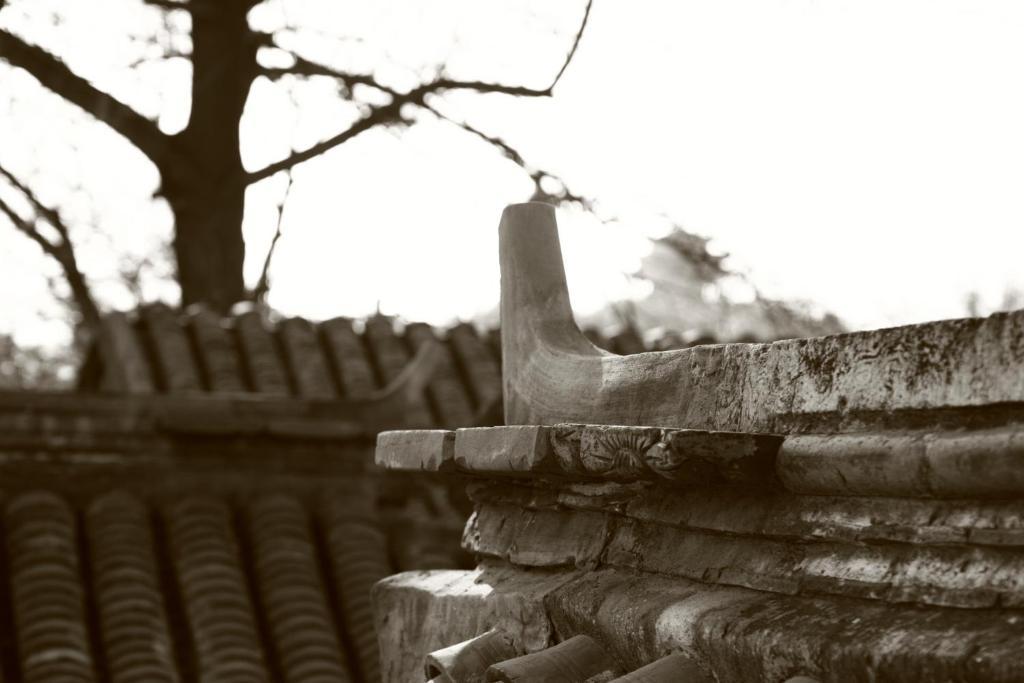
939, 464
931, 374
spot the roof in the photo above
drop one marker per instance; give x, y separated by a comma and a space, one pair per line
144, 541
156, 350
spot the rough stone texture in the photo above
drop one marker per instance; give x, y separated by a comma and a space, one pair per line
949, 576
943, 371
854, 520
682, 456
764, 585
774, 543
538, 538
742, 635
431, 450
976, 463
586, 452
419, 612
508, 450
734, 633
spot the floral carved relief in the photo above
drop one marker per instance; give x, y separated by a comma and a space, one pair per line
616, 451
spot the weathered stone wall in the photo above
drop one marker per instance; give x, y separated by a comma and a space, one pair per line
747, 575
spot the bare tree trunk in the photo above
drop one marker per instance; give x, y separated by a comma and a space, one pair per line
208, 246
205, 186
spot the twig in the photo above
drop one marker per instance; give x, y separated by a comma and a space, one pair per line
536, 175
391, 112
575, 44
262, 288
62, 252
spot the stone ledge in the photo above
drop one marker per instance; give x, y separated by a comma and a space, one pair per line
981, 463
978, 463
953, 575
805, 518
429, 450
587, 452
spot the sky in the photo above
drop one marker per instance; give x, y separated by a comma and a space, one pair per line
865, 156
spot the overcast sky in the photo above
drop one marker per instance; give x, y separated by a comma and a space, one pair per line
866, 156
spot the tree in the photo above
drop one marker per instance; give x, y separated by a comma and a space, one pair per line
202, 176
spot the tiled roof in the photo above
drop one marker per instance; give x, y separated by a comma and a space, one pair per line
140, 543
195, 587
157, 350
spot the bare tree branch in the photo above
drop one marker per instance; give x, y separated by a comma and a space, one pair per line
55, 76
391, 112
62, 252
305, 67
26, 227
383, 114
262, 288
565, 195
166, 4
51, 216
575, 44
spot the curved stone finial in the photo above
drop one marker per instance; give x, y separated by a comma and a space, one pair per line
538, 332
